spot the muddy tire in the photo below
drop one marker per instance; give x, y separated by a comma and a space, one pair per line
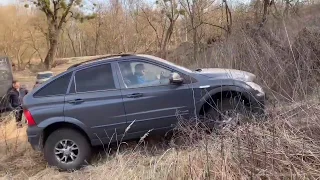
227, 113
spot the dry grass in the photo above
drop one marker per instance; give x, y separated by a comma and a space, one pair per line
16, 154
286, 146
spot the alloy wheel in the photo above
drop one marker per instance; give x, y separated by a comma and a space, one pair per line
66, 151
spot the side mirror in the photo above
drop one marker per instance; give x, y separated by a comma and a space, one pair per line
175, 78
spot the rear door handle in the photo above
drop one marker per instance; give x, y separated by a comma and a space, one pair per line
76, 101
134, 95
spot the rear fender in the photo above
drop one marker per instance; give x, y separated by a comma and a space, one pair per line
81, 125
73, 121
48, 122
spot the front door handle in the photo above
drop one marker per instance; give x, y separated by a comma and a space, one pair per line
134, 95
76, 101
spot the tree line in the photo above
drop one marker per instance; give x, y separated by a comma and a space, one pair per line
41, 30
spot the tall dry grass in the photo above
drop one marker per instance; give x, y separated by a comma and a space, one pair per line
16, 154
285, 146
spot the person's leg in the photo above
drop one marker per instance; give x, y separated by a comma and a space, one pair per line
18, 115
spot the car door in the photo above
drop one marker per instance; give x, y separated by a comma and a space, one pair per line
95, 99
154, 105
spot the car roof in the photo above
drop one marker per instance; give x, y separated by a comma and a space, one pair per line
114, 57
103, 58
119, 56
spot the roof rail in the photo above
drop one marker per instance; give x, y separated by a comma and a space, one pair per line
99, 58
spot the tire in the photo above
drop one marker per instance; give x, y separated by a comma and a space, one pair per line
81, 150
227, 113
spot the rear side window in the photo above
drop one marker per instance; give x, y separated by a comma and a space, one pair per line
57, 87
94, 79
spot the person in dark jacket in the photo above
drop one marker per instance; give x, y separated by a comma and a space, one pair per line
15, 96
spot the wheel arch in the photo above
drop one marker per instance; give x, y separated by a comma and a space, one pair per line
63, 124
222, 93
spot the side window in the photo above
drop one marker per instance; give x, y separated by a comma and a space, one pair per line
56, 87
141, 74
94, 79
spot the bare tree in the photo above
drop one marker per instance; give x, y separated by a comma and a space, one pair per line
70, 32
57, 12
172, 12
124, 25
197, 13
169, 13
228, 16
98, 25
34, 44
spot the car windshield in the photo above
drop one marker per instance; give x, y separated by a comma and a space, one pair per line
167, 62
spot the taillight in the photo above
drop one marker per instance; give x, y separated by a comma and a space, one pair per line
29, 118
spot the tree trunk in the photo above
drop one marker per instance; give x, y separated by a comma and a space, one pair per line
195, 33
286, 9
96, 44
80, 46
257, 9
266, 4
195, 44
167, 39
52, 50
72, 44
228, 16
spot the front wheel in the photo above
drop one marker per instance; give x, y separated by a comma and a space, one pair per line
67, 149
227, 113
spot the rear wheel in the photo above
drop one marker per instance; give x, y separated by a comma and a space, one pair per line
227, 113
67, 149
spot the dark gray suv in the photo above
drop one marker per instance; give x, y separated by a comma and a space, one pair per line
92, 103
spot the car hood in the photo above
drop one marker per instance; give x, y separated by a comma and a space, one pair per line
219, 73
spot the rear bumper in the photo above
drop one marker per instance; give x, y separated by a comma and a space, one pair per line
35, 137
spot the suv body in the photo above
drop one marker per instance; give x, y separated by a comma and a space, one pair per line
98, 100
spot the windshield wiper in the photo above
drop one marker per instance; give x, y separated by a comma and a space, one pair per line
198, 70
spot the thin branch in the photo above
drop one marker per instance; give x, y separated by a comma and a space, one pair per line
152, 26
66, 12
210, 24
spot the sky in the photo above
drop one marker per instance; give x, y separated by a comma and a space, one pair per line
5, 2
